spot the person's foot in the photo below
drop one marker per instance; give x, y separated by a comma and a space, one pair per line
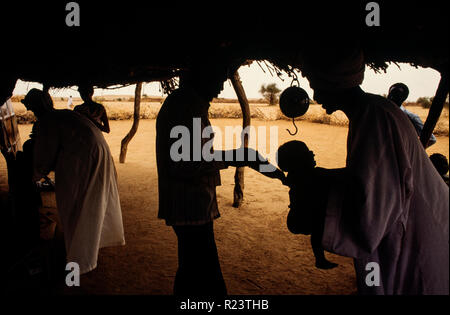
325, 264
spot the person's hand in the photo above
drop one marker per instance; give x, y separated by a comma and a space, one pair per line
273, 172
279, 174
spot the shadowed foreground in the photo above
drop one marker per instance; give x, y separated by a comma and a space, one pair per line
257, 253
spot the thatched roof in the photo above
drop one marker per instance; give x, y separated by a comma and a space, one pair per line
126, 42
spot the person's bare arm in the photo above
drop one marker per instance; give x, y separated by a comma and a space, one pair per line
277, 174
249, 157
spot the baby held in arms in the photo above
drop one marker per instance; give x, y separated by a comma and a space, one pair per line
297, 160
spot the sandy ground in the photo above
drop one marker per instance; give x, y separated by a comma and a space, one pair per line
257, 253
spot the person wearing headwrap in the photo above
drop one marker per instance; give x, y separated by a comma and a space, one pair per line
33, 97
344, 74
388, 208
45, 105
86, 190
398, 93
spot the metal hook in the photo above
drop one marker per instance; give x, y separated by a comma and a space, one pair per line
296, 129
295, 79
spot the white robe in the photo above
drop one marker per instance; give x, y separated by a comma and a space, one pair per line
392, 208
86, 189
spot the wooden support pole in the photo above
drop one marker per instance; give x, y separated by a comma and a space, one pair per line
238, 193
435, 110
134, 127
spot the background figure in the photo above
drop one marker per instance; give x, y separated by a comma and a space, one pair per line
440, 162
398, 93
29, 200
94, 111
295, 158
37, 96
69, 102
86, 191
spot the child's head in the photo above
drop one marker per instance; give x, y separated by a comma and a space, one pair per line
295, 155
440, 162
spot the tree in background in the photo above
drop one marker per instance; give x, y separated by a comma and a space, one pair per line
270, 93
425, 102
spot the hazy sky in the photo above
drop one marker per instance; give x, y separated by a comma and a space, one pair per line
421, 82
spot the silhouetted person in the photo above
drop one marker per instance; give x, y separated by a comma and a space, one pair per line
27, 198
440, 162
187, 188
33, 96
295, 158
388, 207
94, 111
86, 189
70, 102
398, 93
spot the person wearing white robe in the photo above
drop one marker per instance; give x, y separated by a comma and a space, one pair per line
86, 190
388, 208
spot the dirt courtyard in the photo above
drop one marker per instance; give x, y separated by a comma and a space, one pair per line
258, 254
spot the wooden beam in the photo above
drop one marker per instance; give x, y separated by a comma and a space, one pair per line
134, 127
238, 193
435, 110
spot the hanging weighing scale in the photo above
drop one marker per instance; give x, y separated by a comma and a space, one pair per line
294, 102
